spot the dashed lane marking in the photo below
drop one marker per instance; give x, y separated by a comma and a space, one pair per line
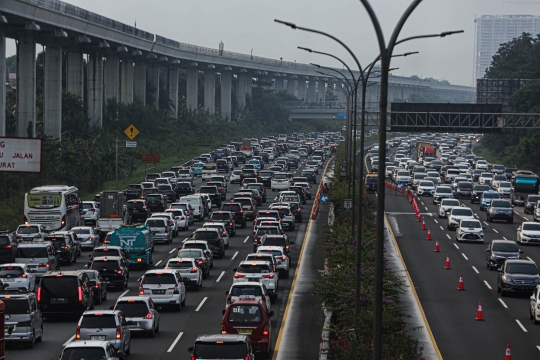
485, 282
515, 212
124, 293
173, 250
457, 247
503, 304
220, 276
426, 207
521, 325
159, 262
475, 270
436, 222
247, 238
442, 228
234, 256
485, 223
448, 236
495, 231
525, 218
466, 258
69, 340
201, 304
538, 347
529, 258
175, 341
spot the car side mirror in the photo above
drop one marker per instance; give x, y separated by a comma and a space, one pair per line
227, 292
513, 205
271, 314
487, 250
190, 349
475, 215
223, 311
500, 270
111, 307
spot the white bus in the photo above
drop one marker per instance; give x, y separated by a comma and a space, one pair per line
54, 206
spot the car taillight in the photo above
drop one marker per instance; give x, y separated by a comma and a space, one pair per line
223, 329
141, 290
80, 293
118, 332
78, 333
91, 210
251, 209
194, 270
182, 217
7, 247
238, 276
149, 316
176, 291
63, 220
144, 207
119, 271
39, 294
43, 265
268, 276
266, 330
200, 262
283, 257
289, 214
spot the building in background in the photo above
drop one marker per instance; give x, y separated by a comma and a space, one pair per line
494, 30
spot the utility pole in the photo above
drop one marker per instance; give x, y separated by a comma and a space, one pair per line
116, 164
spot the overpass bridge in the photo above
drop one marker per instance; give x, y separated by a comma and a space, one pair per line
121, 59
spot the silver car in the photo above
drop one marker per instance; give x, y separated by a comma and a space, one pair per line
23, 321
191, 273
106, 325
39, 256
161, 228
165, 287
141, 311
88, 237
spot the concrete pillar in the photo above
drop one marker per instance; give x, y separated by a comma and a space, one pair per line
52, 102
210, 89
311, 91
95, 89
139, 81
3, 87
302, 89
278, 84
192, 92
26, 86
321, 96
290, 86
75, 72
241, 88
173, 91
153, 77
249, 84
126, 91
112, 77
226, 82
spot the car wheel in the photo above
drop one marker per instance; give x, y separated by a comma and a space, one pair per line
40, 338
183, 303
32, 341
98, 299
128, 350
152, 333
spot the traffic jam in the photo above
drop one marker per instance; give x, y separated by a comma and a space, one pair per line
193, 262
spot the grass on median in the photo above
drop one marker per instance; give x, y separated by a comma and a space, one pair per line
487, 155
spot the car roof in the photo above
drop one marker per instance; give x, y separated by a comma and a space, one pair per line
87, 343
257, 262
222, 337
131, 298
160, 271
107, 258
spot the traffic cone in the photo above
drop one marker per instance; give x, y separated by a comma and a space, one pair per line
436, 246
428, 237
508, 353
460, 285
424, 224
418, 217
480, 317
447, 264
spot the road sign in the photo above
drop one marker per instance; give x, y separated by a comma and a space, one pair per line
150, 158
343, 167
347, 204
399, 186
341, 115
20, 155
323, 198
131, 132
131, 144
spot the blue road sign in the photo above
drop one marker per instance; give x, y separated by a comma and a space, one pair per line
323, 198
399, 186
341, 116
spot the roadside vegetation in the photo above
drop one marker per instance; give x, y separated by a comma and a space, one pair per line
336, 288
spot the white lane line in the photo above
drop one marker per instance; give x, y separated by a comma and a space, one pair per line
421, 203
247, 238
538, 347
236, 253
516, 212
426, 207
442, 228
466, 258
495, 231
485, 282
69, 340
521, 325
201, 304
124, 293
485, 223
159, 262
220, 276
436, 222
448, 236
525, 218
457, 247
505, 238
173, 250
503, 304
86, 265
478, 272
529, 258
175, 341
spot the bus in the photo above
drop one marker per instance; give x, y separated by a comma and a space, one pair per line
56, 207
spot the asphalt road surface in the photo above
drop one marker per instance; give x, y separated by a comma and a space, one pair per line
203, 311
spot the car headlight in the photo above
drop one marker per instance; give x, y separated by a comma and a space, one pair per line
506, 278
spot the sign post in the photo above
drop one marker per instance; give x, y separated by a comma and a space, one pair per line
399, 187
131, 132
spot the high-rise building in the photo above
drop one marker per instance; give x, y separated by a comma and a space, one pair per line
494, 30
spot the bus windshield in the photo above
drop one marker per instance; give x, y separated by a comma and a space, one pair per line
44, 200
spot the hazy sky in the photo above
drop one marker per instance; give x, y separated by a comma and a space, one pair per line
248, 24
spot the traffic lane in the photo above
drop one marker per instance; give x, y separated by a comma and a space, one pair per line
451, 313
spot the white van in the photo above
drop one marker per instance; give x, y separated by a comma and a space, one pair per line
196, 203
209, 170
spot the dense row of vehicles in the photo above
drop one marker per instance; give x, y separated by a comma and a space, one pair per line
33, 277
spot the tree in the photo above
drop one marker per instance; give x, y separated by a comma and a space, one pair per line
526, 99
516, 59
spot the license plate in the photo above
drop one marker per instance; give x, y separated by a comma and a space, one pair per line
135, 210
158, 292
102, 338
254, 279
106, 279
9, 280
245, 331
59, 300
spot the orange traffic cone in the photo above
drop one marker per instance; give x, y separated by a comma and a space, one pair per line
436, 246
424, 224
508, 353
428, 237
480, 315
418, 217
460, 285
447, 264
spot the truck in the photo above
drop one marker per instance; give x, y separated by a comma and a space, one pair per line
137, 241
371, 182
420, 148
429, 151
525, 182
246, 148
113, 212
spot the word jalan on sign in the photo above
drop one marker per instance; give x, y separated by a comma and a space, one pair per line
20, 155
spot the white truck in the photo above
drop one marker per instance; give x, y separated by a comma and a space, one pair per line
113, 212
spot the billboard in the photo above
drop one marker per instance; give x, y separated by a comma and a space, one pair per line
150, 158
20, 155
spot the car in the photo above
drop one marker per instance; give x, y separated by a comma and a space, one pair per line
23, 321
470, 230
133, 191
191, 273
30, 232
187, 209
249, 316
185, 174
214, 346
487, 197
138, 210
167, 191
103, 325
528, 233
172, 221
441, 193
497, 179
99, 285
237, 211
235, 177
220, 227
280, 181
457, 214
88, 237
310, 175
65, 293
530, 203
426, 188
156, 202
500, 209
248, 205
221, 188
253, 289
477, 192
161, 228
446, 206
197, 245
39, 256
227, 218
90, 211
214, 240
259, 271
18, 277
485, 178
113, 269
182, 221
286, 215
141, 312
108, 250
102, 350
499, 251
197, 168
165, 287
283, 264
481, 165
517, 276
8, 246
184, 188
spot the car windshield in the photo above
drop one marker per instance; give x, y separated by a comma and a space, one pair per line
32, 252
156, 278
505, 184
444, 190
153, 197
220, 350
419, 176
189, 253
465, 185
470, 224
98, 321
265, 173
82, 231
521, 268
88, 205
106, 252
486, 175
194, 246
267, 230
179, 264
183, 186
11, 271
505, 246
531, 227
16, 306
254, 290
102, 265
132, 308
155, 222
501, 203
480, 188
84, 352
245, 314
533, 198
462, 212
450, 203
426, 183
279, 176
59, 286
205, 235
254, 269
243, 201
27, 229
218, 216
491, 195
403, 173
208, 190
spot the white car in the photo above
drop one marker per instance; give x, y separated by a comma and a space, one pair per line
87, 236
441, 193
182, 221
470, 230
253, 289
497, 179
485, 178
235, 177
192, 275
18, 276
172, 221
426, 188
165, 287
259, 271
100, 349
504, 189
280, 181
219, 226
282, 260
185, 174
319, 159
171, 175
90, 212
188, 211
446, 207
528, 232
403, 176
388, 171
482, 165
457, 214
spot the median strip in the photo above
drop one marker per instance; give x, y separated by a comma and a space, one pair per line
503, 304
220, 276
521, 325
201, 304
175, 341
489, 287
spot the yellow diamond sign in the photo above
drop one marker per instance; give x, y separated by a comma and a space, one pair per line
131, 132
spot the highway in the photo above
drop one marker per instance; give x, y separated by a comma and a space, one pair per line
203, 311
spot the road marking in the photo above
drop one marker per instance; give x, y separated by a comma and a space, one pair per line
457, 247
505, 238
173, 250
175, 341
478, 272
485, 282
448, 236
525, 218
521, 326
426, 207
503, 304
495, 231
529, 258
485, 223
421, 203
159, 262
247, 238
236, 253
86, 265
538, 347
516, 212
436, 222
466, 258
442, 228
221, 275
201, 304
124, 293
69, 340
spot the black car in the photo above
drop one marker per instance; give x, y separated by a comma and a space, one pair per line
265, 177
517, 276
184, 188
476, 174
99, 286
310, 175
240, 156
477, 192
133, 191
499, 251
113, 269
138, 210
156, 202
499, 209
8, 245
238, 213
260, 188
303, 191
65, 248
214, 240
464, 190
213, 192
227, 218
167, 191
65, 293
293, 162
222, 189
508, 171
530, 203
222, 166
149, 191
279, 240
